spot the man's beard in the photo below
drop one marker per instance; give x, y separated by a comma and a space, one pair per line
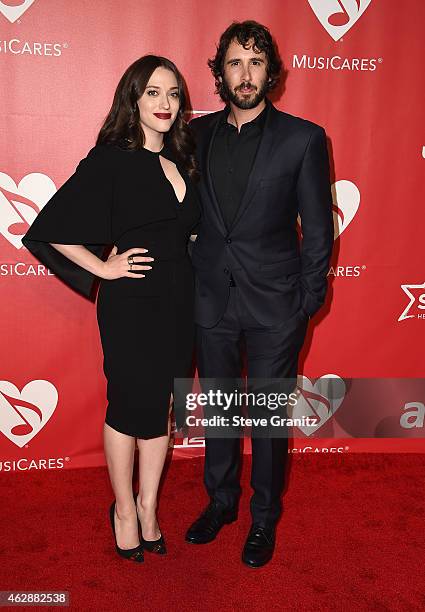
244, 103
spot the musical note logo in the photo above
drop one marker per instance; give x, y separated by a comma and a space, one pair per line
21, 227
20, 204
25, 428
341, 17
24, 413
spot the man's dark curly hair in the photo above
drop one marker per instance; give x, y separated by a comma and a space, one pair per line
244, 32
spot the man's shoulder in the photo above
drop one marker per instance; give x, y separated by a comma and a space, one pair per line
294, 123
200, 124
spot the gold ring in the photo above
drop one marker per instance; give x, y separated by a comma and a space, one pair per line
130, 259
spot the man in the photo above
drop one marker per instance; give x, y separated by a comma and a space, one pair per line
256, 282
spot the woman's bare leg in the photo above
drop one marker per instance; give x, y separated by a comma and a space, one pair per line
152, 454
119, 453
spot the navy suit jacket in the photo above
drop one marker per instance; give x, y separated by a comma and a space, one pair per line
276, 272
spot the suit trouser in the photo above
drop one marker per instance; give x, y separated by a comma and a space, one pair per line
271, 352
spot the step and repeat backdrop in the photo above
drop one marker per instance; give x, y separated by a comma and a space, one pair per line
353, 66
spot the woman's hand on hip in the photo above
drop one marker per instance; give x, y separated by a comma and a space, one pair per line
118, 266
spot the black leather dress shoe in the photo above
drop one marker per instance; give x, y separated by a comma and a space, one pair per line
207, 526
259, 546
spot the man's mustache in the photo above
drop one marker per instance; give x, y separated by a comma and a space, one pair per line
247, 85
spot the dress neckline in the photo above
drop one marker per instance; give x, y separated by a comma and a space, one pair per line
178, 202
154, 152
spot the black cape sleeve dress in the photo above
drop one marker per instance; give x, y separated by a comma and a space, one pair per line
78, 213
123, 198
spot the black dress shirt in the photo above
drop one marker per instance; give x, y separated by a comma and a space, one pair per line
232, 157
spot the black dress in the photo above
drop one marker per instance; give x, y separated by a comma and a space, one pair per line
123, 198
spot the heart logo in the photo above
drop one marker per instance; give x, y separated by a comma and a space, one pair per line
23, 414
338, 16
13, 9
319, 400
20, 204
346, 202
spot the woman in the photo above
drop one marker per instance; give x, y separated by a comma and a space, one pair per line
133, 189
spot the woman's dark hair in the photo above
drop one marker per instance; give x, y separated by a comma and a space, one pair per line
244, 33
122, 124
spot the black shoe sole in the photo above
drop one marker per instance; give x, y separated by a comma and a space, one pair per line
255, 565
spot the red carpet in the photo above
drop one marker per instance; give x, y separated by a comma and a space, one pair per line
351, 538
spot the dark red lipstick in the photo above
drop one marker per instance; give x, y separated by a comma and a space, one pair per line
163, 115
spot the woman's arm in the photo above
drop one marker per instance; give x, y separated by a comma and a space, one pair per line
81, 256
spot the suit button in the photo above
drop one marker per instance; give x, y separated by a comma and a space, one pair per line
226, 271
229, 240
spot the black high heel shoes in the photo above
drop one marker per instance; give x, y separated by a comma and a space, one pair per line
132, 554
153, 546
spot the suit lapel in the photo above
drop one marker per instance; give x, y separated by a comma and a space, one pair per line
262, 160
209, 139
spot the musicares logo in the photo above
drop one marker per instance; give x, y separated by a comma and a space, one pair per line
13, 9
319, 400
20, 204
338, 16
24, 413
